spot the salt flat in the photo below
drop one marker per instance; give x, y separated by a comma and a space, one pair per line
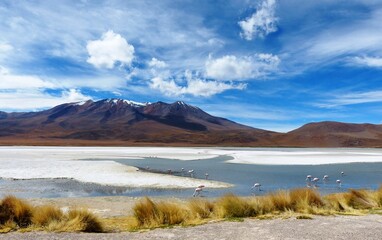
75, 163
96, 165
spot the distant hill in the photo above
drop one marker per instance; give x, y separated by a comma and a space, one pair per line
118, 122
333, 134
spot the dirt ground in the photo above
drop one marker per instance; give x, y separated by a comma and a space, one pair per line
338, 227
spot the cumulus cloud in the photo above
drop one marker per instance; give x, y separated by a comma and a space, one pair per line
374, 62
261, 23
111, 49
230, 67
194, 86
155, 63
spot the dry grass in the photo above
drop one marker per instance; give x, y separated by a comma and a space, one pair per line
77, 221
231, 206
305, 200
43, 215
16, 214
280, 201
201, 208
378, 195
150, 214
361, 199
15, 210
299, 203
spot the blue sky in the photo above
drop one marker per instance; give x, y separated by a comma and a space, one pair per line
272, 64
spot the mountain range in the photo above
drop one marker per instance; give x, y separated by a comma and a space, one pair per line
118, 122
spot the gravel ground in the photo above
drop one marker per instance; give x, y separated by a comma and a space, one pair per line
338, 227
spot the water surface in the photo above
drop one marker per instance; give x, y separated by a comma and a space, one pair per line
242, 176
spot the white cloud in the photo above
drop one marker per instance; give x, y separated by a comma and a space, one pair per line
374, 62
74, 95
112, 48
35, 99
155, 63
12, 81
5, 47
230, 67
351, 99
261, 23
194, 86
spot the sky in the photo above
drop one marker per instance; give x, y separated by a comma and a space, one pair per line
270, 64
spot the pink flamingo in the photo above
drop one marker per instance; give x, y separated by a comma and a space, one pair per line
308, 180
256, 186
338, 182
315, 180
191, 172
326, 178
198, 190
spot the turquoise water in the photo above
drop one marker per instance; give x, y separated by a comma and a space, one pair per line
242, 176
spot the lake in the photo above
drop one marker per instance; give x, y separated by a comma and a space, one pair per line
272, 177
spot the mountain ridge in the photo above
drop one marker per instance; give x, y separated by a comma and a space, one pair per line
120, 122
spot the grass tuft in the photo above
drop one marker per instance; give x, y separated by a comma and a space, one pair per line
151, 214
234, 207
360, 199
305, 200
201, 208
77, 221
43, 215
15, 210
280, 200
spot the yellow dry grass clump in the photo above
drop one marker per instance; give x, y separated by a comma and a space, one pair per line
16, 211
17, 214
151, 214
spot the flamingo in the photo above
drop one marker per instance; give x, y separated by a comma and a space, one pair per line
338, 182
191, 172
256, 186
308, 180
326, 178
198, 190
315, 180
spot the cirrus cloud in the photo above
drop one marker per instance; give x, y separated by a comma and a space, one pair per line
374, 62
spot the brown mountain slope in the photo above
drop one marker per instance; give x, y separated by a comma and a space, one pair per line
125, 122
333, 134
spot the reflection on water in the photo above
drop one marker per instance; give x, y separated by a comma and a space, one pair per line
243, 176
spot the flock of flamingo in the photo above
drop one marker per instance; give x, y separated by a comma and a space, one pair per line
310, 181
